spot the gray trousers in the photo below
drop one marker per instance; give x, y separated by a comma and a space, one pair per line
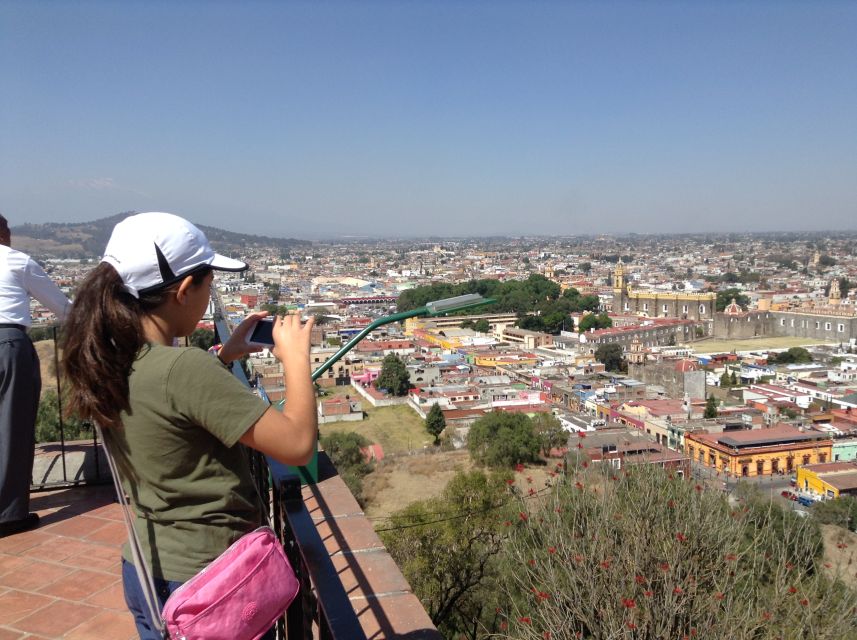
20, 386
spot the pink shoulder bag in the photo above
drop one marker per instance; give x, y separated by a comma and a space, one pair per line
238, 596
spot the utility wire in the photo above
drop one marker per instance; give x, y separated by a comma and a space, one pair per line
457, 516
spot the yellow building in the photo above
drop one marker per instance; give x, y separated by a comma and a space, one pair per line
504, 359
660, 304
759, 452
830, 480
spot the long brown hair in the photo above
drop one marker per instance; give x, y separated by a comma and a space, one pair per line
102, 336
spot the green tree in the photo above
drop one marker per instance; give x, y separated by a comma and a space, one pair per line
549, 431
48, 421
394, 376
725, 380
733, 380
585, 267
482, 326
594, 321
501, 439
41, 332
448, 549
435, 422
555, 322
710, 408
725, 297
794, 355
202, 338
611, 356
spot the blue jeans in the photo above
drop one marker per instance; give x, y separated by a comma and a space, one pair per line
136, 601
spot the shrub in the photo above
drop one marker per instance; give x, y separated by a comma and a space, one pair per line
644, 554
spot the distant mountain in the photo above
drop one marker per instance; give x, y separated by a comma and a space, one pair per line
88, 239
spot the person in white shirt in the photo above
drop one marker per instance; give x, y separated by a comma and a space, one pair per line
21, 278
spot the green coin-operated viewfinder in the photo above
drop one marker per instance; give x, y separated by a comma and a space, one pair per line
309, 473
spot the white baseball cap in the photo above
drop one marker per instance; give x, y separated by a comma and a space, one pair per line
153, 250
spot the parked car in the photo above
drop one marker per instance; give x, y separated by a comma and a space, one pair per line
805, 501
788, 495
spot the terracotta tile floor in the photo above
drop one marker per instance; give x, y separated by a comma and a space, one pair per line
63, 579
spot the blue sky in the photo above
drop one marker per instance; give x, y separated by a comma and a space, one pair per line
442, 118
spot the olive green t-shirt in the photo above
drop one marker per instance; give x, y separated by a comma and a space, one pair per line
188, 480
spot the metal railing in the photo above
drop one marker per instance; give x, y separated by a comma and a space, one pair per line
322, 608
79, 465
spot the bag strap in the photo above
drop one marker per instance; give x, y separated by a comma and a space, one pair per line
144, 575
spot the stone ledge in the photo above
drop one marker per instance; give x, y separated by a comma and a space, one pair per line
380, 596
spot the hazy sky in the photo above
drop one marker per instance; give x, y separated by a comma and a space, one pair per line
434, 117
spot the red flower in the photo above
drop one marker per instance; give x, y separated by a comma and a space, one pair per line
718, 595
731, 557
546, 635
804, 602
605, 564
664, 566
614, 478
508, 523
519, 467
648, 593
525, 620
628, 603
578, 558
532, 562
671, 477
529, 479
585, 464
578, 485
504, 626
698, 487
510, 481
582, 434
678, 590
671, 504
551, 549
523, 516
766, 615
498, 610
640, 579
541, 595
631, 625
558, 509
789, 566
792, 590
580, 445
680, 537
532, 491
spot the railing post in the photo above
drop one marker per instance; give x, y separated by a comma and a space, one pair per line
299, 616
59, 403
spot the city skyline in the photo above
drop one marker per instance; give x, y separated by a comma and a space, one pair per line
313, 120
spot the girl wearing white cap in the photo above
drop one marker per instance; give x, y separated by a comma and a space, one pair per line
172, 417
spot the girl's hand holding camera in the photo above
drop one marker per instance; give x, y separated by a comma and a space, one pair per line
292, 339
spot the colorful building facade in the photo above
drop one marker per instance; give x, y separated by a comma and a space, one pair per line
759, 452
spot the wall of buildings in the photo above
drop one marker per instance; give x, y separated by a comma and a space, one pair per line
675, 383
